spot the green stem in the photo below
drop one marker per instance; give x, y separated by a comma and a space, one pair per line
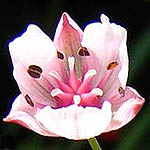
94, 144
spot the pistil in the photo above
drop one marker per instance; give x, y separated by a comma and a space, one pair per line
85, 85
73, 80
62, 98
76, 99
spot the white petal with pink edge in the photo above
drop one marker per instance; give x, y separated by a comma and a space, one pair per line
104, 42
126, 110
39, 90
23, 114
76, 122
33, 46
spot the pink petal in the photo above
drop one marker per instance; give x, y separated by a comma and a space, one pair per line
37, 89
67, 33
104, 64
76, 122
118, 76
23, 114
34, 47
112, 83
125, 108
106, 44
67, 39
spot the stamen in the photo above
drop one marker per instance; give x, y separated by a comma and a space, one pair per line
97, 91
89, 74
121, 91
76, 99
60, 83
62, 98
92, 98
34, 71
55, 75
112, 65
29, 100
83, 51
60, 55
55, 92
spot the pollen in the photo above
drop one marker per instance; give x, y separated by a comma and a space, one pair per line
29, 100
112, 65
121, 91
34, 71
60, 55
83, 51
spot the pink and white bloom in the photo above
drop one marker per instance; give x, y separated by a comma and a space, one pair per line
74, 86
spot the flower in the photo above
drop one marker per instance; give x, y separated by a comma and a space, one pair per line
74, 86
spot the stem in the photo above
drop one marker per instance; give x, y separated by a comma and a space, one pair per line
94, 144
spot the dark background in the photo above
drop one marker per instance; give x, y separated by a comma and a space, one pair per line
133, 15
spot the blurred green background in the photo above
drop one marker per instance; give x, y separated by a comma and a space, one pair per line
133, 15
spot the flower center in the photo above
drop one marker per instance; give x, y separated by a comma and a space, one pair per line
77, 91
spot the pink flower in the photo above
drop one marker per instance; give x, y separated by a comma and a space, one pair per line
75, 86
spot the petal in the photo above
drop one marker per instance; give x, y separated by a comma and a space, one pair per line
23, 114
123, 58
93, 122
67, 39
68, 33
104, 41
118, 77
125, 108
111, 83
37, 89
34, 47
75, 122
